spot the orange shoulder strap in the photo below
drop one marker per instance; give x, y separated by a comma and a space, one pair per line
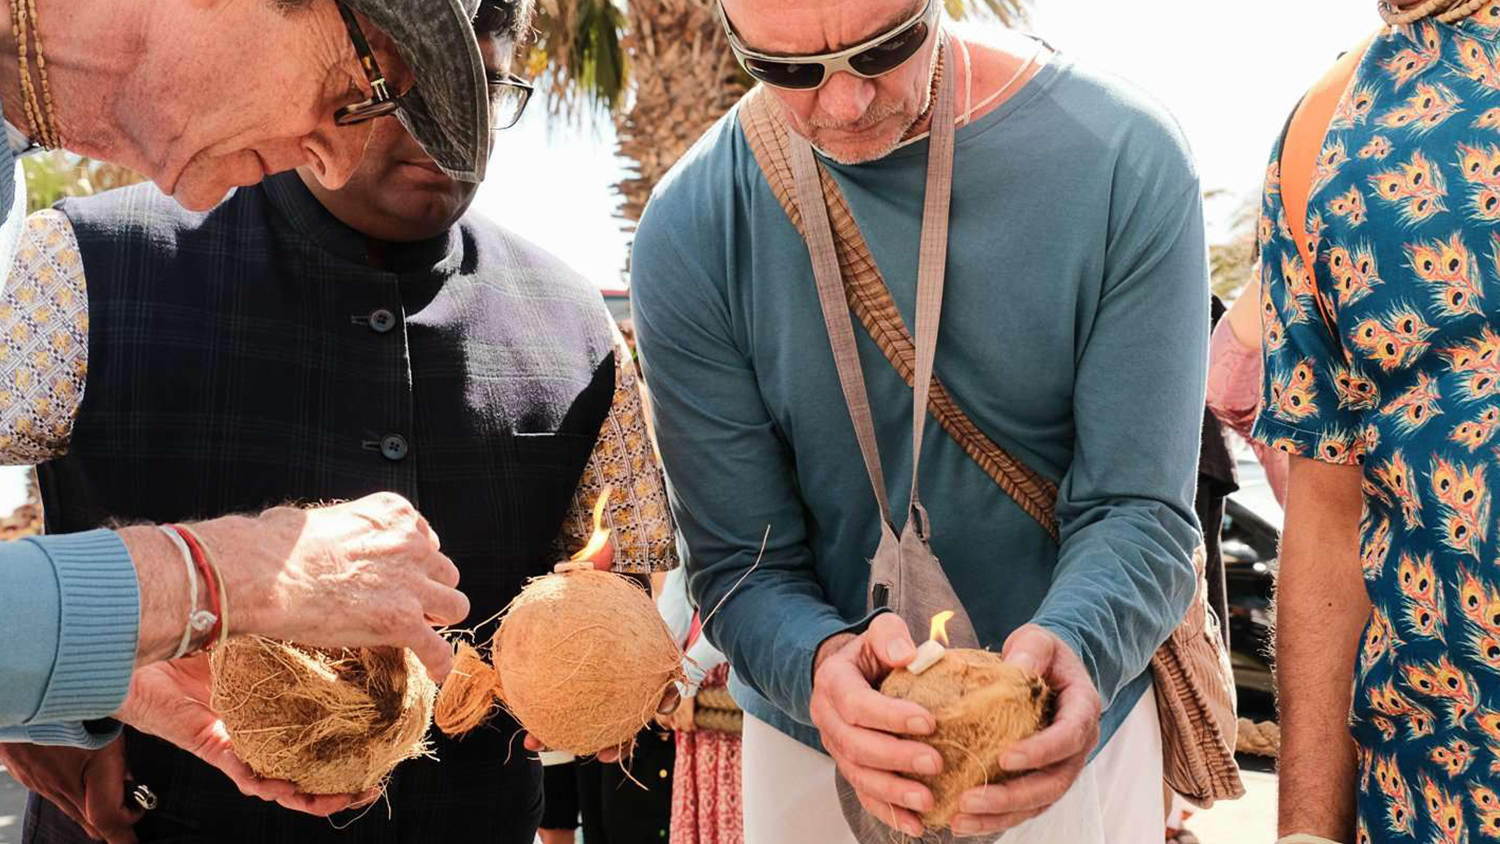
1304, 143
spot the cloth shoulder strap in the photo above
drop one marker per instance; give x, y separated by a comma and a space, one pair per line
931, 275
1301, 147
869, 298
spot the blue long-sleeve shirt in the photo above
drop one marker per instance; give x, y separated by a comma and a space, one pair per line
69, 616
1074, 333
69, 605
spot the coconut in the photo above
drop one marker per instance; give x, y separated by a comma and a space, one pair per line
982, 706
584, 659
332, 721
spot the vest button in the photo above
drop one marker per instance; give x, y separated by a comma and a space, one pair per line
382, 321
394, 448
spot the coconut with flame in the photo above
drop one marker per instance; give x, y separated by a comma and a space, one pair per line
982, 706
582, 659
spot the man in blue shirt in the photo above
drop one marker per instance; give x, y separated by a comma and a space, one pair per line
1073, 334
186, 95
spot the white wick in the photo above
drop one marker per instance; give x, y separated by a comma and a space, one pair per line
929, 653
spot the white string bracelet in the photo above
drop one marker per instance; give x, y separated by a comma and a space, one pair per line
192, 573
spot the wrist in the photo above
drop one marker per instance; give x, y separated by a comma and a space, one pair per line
248, 570
163, 590
833, 644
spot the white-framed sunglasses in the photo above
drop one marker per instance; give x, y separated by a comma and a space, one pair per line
876, 57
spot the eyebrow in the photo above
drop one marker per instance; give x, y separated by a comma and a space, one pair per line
883, 28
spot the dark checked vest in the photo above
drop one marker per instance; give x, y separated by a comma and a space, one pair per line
249, 357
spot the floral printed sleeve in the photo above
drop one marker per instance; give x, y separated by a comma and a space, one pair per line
1313, 398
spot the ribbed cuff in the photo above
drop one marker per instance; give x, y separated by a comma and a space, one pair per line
89, 735
100, 621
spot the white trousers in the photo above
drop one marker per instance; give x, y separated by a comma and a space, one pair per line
790, 799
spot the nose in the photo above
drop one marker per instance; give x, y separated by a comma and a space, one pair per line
846, 97
334, 152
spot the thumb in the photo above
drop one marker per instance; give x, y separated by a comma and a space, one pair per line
889, 640
1030, 648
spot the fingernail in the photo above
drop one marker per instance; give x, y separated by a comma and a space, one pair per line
1013, 761
971, 805
965, 827
915, 830
1024, 661
914, 800
918, 726
928, 765
899, 651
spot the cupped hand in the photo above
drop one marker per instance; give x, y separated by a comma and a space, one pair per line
863, 729
169, 700
1050, 761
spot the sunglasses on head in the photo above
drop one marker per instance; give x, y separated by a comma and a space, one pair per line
877, 56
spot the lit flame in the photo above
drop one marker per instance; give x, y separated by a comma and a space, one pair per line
601, 533
940, 627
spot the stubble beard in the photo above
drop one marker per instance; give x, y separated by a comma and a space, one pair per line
878, 113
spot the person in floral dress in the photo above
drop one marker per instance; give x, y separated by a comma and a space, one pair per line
1382, 381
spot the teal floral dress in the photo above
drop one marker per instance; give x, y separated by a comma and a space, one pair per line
1387, 355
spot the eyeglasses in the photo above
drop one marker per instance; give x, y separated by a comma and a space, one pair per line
381, 102
509, 95
878, 56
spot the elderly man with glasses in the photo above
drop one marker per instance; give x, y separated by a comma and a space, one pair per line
300, 343
203, 97
1019, 236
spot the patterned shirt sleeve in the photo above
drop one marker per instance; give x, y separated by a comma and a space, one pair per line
624, 460
44, 332
1313, 395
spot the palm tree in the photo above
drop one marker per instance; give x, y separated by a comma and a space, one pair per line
661, 70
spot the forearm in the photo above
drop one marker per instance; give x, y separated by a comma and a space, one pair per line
1122, 586
1321, 610
772, 634
241, 547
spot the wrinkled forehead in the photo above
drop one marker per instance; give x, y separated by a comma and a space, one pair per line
809, 27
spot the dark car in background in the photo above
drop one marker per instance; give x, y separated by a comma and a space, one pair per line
1252, 532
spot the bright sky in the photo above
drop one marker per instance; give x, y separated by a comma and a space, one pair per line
1229, 71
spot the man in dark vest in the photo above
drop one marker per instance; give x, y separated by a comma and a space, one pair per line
297, 344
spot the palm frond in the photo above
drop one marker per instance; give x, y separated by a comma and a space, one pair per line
578, 57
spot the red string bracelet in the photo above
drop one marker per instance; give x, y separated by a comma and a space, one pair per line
215, 604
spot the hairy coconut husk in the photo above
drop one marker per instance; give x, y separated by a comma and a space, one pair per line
468, 697
584, 658
332, 721
982, 707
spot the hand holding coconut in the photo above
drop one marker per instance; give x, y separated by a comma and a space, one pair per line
169, 700
1047, 763
862, 728
914, 751
367, 573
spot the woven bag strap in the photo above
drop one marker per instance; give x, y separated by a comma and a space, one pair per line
871, 302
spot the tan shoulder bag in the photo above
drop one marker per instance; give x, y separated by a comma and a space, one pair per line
1193, 680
